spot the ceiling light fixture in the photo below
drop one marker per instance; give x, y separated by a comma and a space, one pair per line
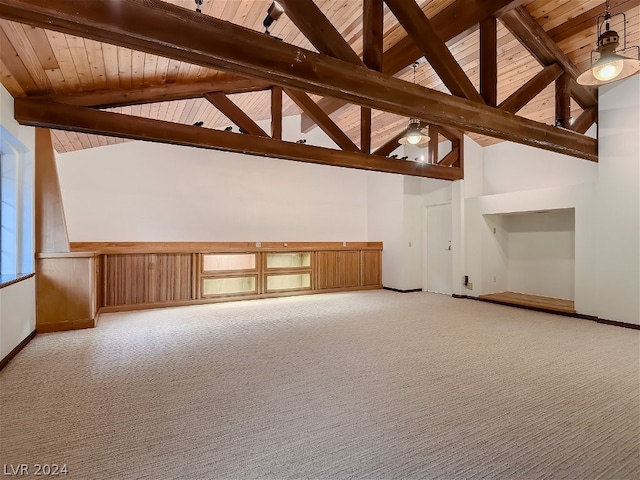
611, 66
274, 12
414, 134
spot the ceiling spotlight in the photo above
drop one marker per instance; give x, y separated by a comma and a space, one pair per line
393, 156
274, 12
611, 66
198, 124
198, 5
406, 157
302, 140
228, 129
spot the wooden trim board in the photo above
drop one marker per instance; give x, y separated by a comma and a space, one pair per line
200, 247
16, 350
532, 301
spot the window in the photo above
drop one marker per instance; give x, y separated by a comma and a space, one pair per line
16, 212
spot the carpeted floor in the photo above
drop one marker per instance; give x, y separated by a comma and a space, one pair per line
352, 385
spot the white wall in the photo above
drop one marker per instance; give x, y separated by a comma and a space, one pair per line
140, 191
618, 202
510, 167
541, 253
17, 314
385, 223
17, 301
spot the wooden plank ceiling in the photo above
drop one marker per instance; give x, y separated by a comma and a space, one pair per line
34, 61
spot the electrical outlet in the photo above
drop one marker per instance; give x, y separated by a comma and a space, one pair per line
470, 286
258, 244
494, 230
344, 244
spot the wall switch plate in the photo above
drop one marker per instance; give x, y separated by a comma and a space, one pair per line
344, 244
470, 286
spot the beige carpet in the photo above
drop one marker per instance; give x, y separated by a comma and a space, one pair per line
352, 385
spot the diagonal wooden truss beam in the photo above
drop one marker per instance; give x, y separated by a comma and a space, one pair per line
450, 158
319, 30
225, 83
533, 37
213, 43
327, 125
425, 36
518, 99
585, 120
390, 145
39, 113
467, 15
235, 114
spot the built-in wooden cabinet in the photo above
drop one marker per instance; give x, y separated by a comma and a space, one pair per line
231, 271
338, 269
371, 267
146, 278
66, 291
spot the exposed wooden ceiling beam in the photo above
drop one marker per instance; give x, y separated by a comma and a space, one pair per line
585, 120
467, 14
319, 30
421, 31
563, 100
373, 41
322, 119
235, 114
489, 60
276, 112
434, 143
450, 158
38, 113
226, 83
390, 145
518, 99
213, 43
533, 37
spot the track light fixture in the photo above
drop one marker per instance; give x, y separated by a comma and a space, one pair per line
198, 124
302, 141
274, 12
198, 5
228, 129
611, 66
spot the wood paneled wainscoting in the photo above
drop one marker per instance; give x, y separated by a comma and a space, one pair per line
127, 276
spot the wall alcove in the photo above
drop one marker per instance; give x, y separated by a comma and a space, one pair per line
532, 259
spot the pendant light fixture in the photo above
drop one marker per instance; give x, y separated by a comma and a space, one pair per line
611, 66
414, 135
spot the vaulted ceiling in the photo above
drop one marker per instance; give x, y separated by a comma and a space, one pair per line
538, 44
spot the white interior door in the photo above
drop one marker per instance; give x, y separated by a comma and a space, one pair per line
438, 268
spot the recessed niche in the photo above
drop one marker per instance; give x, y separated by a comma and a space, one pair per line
288, 260
228, 285
220, 262
289, 282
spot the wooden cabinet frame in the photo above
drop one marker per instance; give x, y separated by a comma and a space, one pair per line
364, 258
